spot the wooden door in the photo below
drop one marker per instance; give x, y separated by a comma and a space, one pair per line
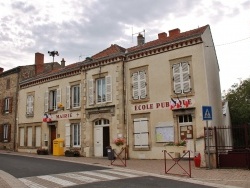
52, 137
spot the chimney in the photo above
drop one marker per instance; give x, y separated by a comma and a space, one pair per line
174, 32
140, 39
39, 63
1, 70
63, 62
162, 36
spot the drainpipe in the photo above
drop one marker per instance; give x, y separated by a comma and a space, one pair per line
16, 108
125, 112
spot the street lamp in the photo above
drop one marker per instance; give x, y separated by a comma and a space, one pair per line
53, 53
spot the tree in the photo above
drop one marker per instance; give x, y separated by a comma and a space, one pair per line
238, 98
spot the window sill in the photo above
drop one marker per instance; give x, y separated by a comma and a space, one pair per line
29, 115
139, 100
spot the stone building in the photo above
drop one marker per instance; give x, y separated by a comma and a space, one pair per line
151, 95
9, 87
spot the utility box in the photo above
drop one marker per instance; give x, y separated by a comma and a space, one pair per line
58, 148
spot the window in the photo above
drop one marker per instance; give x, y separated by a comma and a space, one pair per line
186, 127
30, 105
76, 132
52, 99
7, 105
141, 133
181, 78
103, 90
73, 96
139, 85
5, 133
73, 135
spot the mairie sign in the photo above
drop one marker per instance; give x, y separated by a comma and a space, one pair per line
207, 113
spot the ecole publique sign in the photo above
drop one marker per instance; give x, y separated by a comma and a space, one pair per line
172, 104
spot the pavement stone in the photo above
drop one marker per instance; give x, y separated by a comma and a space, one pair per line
224, 178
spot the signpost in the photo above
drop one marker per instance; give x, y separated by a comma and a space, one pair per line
207, 116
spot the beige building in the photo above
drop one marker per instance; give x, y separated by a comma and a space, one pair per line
168, 82
43, 105
9, 87
151, 95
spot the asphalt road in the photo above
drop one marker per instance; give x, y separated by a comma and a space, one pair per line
46, 173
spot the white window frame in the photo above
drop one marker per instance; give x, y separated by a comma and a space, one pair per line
105, 90
139, 85
52, 99
185, 123
101, 89
181, 77
30, 105
76, 134
76, 96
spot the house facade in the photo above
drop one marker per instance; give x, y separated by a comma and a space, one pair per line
9, 87
53, 109
151, 95
168, 82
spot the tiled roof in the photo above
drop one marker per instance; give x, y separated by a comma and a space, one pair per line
59, 71
114, 49
169, 39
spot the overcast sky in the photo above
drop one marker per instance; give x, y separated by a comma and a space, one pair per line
80, 28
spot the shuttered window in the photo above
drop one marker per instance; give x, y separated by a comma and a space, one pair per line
29, 136
108, 89
5, 133
90, 92
181, 78
38, 136
21, 136
139, 85
67, 135
30, 105
52, 99
141, 133
103, 90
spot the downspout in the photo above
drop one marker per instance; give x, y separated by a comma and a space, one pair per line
125, 111
16, 106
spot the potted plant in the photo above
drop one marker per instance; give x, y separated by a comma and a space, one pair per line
72, 153
119, 141
42, 151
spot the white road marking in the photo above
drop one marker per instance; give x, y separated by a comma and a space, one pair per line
79, 177
119, 173
100, 175
57, 180
30, 183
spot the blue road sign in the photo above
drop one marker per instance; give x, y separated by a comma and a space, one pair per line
207, 112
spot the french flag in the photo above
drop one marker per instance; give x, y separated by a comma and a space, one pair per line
179, 103
172, 104
186, 102
45, 117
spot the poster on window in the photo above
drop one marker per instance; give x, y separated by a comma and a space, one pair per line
164, 132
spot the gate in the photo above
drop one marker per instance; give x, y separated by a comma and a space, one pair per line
231, 145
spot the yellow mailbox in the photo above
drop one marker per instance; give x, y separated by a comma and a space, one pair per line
58, 148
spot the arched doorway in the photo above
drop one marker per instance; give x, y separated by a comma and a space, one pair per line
101, 137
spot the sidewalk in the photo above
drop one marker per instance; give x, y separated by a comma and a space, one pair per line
217, 177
